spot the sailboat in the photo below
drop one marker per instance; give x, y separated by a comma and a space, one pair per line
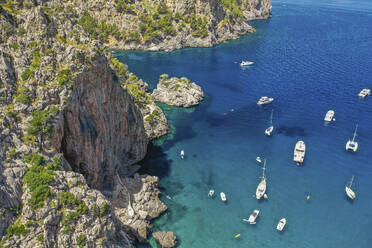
261, 188
271, 128
349, 192
352, 144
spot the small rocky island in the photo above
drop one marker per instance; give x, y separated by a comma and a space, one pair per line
179, 92
165, 239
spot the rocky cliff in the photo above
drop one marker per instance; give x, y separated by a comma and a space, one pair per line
74, 121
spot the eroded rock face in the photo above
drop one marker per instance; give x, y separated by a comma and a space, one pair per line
179, 92
100, 129
165, 239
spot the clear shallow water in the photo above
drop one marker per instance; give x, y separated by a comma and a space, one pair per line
311, 57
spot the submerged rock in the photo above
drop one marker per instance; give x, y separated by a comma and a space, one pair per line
179, 92
165, 239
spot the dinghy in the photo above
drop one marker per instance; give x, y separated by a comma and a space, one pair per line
223, 197
211, 193
253, 216
265, 100
182, 154
329, 116
258, 159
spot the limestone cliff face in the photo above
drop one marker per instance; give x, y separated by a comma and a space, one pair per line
101, 129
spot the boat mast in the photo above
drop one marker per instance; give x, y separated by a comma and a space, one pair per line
263, 170
351, 182
271, 118
355, 132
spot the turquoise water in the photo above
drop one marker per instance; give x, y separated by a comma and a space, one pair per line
311, 56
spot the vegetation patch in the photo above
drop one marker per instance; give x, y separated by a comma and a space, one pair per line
82, 240
37, 178
17, 229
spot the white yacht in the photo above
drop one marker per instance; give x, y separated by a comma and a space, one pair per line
329, 116
253, 217
223, 196
364, 93
265, 100
258, 159
270, 129
299, 152
246, 63
349, 192
281, 224
261, 188
352, 144
211, 193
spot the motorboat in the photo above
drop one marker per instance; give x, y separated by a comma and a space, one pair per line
329, 116
253, 216
299, 152
281, 224
352, 144
211, 193
223, 196
364, 92
349, 191
246, 63
261, 188
270, 129
258, 159
265, 100
182, 154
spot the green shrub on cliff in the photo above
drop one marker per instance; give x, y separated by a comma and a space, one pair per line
233, 6
16, 229
22, 95
82, 240
119, 67
37, 178
63, 77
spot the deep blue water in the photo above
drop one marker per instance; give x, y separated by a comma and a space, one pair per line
311, 56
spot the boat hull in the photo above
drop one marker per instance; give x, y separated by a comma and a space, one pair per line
350, 193
299, 152
351, 146
281, 224
261, 189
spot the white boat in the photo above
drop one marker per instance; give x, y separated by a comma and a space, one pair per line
253, 217
223, 196
265, 100
211, 193
258, 159
281, 224
352, 144
245, 63
329, 115
299, 152
349, 192
182, 154
261, 187
270, 129
364, 93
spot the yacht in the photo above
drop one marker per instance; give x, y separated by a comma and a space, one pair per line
270, 129
253, 217
281, 224
265, 100
211, 193
349, 192
261, 188
245, 63
299, 152
329, 116
352, 144
364, 93
223, 197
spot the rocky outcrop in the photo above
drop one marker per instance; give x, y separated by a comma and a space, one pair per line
142, 193
179, 92
67, 221
101, 129
165, 239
